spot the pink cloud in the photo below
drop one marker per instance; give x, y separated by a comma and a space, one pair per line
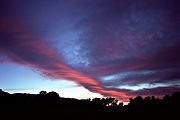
23, 46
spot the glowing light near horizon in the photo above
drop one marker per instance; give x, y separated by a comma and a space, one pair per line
71, 92
29, 81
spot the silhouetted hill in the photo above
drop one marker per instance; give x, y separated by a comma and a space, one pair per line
51, 106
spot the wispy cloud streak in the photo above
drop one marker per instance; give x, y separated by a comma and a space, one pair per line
24, 47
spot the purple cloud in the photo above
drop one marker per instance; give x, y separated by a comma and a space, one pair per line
119, 48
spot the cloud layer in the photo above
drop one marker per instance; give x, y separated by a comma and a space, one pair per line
120, 49
23, 47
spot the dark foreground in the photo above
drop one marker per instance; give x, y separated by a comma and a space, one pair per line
51, 106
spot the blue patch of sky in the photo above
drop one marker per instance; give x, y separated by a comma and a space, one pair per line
122, 75
20, 77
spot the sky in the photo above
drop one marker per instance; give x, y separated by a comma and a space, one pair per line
90, 48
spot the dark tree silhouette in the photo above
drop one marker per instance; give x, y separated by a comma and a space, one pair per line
50, 105
43, 93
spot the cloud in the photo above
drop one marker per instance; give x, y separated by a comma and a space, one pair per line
132, 43
24, 47
159, 91
112, 46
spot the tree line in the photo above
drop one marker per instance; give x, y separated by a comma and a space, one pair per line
50, 104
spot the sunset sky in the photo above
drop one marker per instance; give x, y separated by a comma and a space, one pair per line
90, 48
